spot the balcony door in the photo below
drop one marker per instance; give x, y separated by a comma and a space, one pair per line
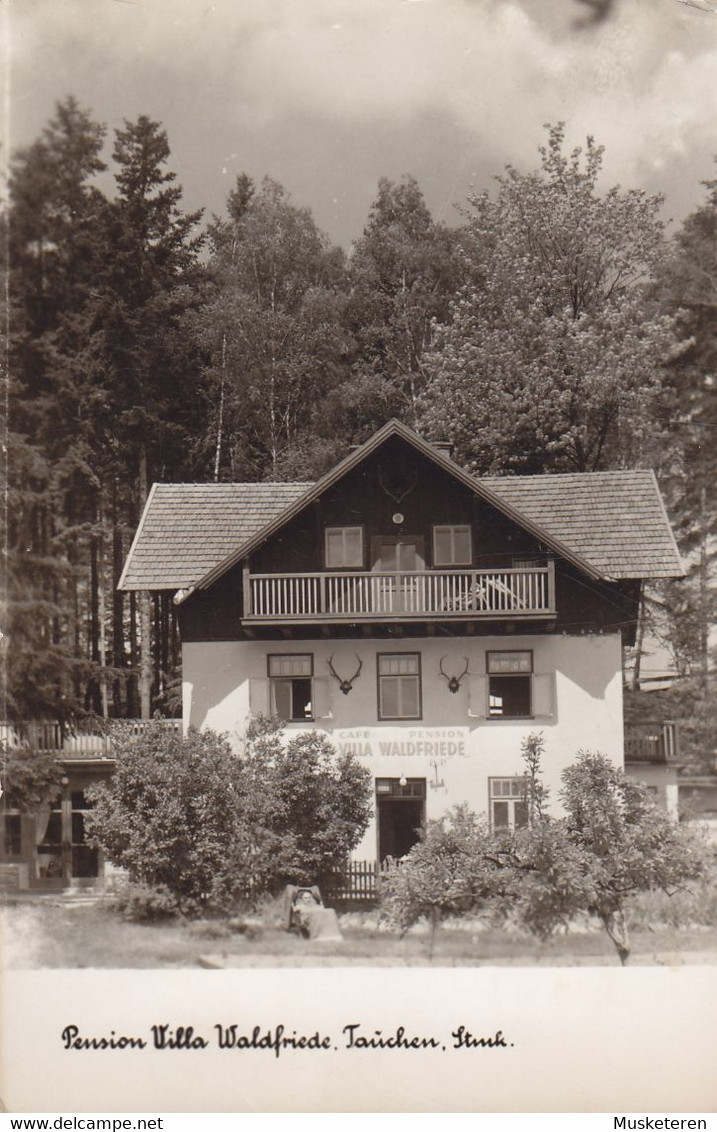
400, 555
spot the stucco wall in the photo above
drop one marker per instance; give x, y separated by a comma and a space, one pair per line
454, 751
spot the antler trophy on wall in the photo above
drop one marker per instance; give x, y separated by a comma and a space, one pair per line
454, 682
345, 685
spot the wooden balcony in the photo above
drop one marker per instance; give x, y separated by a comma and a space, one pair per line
651, 742
444, 595
72, 743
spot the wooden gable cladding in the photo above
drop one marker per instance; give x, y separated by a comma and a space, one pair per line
395, 480
398, 492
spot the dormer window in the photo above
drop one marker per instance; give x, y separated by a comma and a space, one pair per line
343, 548
452, 545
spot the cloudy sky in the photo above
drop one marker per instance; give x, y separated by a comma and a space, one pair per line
326, 96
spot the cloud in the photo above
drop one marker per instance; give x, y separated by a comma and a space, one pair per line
493, 71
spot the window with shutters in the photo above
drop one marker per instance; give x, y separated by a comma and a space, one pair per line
510, 684
290, 685
399, 685
343, 548
508, 803
452, 545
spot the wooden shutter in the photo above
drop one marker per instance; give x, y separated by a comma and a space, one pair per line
321, 697
478, 697
259, 696
544, 694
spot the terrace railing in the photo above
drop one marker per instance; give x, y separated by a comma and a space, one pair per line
518, 592
651, 742
81, 741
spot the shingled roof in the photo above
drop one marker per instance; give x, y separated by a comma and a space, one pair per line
187, 528
616, 520
610, 524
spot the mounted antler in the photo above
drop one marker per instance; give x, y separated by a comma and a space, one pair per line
454, 682
345, 685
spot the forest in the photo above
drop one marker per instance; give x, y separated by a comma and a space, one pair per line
559, 325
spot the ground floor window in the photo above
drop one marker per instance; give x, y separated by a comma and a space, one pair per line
399, 685
290, 682
509, 684
508, 803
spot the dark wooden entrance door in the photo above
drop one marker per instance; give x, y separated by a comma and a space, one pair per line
401, 813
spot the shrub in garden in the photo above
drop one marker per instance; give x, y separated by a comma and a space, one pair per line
449, 871
196, 824
305, 806
613, 843
630, 844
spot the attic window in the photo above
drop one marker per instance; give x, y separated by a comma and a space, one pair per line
344, 548
452, 545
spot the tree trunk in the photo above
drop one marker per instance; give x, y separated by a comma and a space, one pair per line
639, 644
118, 655
220, 421
615, 925
145, 624
102, 606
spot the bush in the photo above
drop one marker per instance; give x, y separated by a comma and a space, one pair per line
143, 903
190, 818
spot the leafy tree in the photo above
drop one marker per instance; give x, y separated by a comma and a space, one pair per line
31, 779
630, 844
203, 827
450, 871
612, 843
272, 329
688, 289
551, 359
403, 271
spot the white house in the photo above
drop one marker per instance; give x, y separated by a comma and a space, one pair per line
424, 618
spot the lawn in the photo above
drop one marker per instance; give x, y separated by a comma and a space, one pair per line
53, 933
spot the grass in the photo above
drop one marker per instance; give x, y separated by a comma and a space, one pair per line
51, 933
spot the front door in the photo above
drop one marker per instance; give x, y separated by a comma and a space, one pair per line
401, 813
402, 555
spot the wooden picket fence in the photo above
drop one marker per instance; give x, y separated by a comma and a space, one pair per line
357, 883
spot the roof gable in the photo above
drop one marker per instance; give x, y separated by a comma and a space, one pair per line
612, 525
353, 460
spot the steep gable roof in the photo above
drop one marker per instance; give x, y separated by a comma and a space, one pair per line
187, 528
611, 524
616, 520
391, 429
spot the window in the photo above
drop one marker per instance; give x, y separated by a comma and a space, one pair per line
509, 684
12, 841
452, 546
344, 548
508, 803
399, 685
290, 685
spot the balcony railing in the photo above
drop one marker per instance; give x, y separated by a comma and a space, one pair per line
449, 594
79, 742
651, 742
